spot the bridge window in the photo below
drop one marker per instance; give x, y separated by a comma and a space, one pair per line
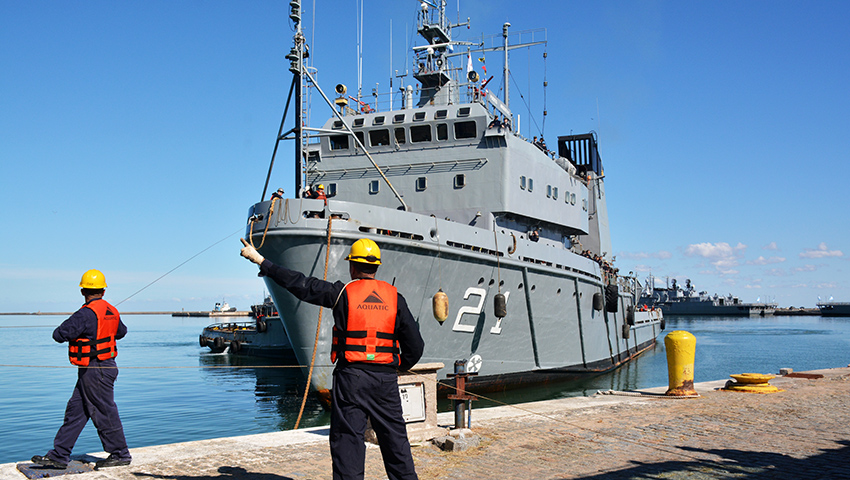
358, 122
339, 142
379, 138
398, 118
399, 135
441, 114
418, 116
378, 120
465, 130
442, 131
463, 112
420, 133
360, 137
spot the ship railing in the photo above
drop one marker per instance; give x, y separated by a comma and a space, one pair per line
377, 101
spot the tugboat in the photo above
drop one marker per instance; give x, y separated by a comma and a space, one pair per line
515, 233
264, 337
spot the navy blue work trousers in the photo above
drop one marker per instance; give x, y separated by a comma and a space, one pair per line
92, 399
359, 395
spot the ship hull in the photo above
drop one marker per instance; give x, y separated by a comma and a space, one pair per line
834, 309
710, 308
551, 329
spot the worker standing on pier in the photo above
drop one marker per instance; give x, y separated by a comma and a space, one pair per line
374, 335
91, 333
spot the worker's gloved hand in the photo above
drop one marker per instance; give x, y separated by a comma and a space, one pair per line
251, 253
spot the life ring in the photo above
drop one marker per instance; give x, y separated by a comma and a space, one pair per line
235, 346
202, 340
218, 342
261, 326
512, 249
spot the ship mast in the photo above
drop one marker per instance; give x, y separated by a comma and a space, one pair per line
296, 58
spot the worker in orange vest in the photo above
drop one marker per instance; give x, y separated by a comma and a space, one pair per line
91, 333
374, 336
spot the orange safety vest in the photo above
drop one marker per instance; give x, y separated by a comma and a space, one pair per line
103, 347
370, 324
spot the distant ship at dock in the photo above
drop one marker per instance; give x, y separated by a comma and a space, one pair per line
674, 300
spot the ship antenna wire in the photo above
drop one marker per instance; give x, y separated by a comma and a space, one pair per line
318, 329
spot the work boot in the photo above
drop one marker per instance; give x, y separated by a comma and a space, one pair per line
48, 462
112, 460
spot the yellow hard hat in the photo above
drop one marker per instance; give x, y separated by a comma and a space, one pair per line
321, 186
93, 279
365, 251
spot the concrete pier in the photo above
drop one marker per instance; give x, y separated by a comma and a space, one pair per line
802, 432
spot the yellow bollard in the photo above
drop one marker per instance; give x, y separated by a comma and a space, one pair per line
681, 350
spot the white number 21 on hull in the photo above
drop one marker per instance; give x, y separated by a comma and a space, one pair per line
475, 310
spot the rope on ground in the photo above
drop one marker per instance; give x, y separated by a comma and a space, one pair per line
318, 329
643, 394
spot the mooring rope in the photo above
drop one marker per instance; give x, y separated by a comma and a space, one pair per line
266, 230
318, 327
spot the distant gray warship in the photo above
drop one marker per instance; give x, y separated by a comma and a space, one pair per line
461, 203
674, 300
834, 309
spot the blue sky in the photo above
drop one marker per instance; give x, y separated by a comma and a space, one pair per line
135, 135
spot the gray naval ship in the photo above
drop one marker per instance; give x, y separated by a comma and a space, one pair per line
674, 300
515, 235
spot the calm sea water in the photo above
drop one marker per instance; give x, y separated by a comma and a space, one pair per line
171, 390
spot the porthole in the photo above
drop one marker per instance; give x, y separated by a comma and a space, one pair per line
481, 281
460, 180
421, 184
374, 187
